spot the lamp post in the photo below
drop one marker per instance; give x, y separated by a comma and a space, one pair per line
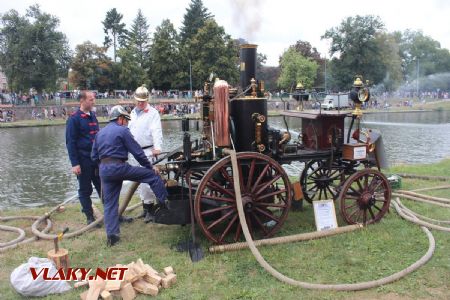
190, 76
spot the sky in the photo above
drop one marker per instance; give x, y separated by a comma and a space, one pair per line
272, 24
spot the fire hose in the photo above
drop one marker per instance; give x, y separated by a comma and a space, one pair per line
338, 287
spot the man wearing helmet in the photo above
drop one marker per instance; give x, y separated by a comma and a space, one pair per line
145, 126
111, 147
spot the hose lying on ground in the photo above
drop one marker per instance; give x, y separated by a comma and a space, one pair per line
415, 176
441, 187
18, 239
339, 287
25, 241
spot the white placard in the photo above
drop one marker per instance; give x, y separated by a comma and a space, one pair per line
359, 152
325, 215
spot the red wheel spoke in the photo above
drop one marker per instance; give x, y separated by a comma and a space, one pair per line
220, 219
222, 199
226, 175
212, 184
353, 205
364, 216
250, 174
265, 185
379, 209
261, 224
366, 182
357, 192
361, 189
260, 177
371, 213
265, 204
267, 214
350, 216
225, 232
213, 210
270, 194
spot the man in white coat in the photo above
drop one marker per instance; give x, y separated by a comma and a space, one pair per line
145, 126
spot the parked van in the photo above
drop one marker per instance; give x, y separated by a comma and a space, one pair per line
335, 101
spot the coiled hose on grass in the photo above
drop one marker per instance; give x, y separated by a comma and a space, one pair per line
337, 287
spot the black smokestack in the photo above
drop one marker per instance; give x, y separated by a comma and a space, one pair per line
248, 65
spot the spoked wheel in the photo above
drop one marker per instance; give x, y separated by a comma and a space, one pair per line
319, 182
266, 196
365, 197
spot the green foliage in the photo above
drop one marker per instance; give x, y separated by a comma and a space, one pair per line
164, 56
115, 28
307, 50
296, 68
214, 52
32, 52
130, 72
91, 68
194, 19
357, 51
414, 46
139, 39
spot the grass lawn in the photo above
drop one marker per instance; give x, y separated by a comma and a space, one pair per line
374, 252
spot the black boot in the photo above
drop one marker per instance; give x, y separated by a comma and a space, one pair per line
112, 240
150, 215
90, 218
125, 219
145, 209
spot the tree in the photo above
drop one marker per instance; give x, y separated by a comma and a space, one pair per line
130, 73
32, 52
215, 53
308, 51
390, 60
113, 26
139, 39
194, 19
91, 67
164, 56
296, 68
356, 50
417, 48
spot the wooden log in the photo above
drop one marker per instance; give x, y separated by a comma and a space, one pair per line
153, 279
145, 288
80, 284
106, 295
127, 292
60, 258
168, 270
83, 295
113, 285
169, 280
96, 286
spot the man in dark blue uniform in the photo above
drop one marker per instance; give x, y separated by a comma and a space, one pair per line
82, 126
111, 147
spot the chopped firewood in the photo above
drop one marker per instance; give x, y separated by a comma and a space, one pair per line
83, 295
168, 270
80, 284
127, 292
138, 269
106, 295
95, 287
169, 280
113, 285
145, 288
150, 269
153, 279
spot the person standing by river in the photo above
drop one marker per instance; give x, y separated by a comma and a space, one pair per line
145, 126
81, 129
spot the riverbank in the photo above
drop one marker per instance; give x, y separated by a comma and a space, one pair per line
445, 105
60, 121
372, 253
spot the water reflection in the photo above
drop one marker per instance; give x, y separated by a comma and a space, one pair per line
35, 170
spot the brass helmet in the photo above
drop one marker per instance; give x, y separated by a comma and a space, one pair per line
358, 82
141, 93
299, 86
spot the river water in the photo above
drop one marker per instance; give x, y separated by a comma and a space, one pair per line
35, 170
